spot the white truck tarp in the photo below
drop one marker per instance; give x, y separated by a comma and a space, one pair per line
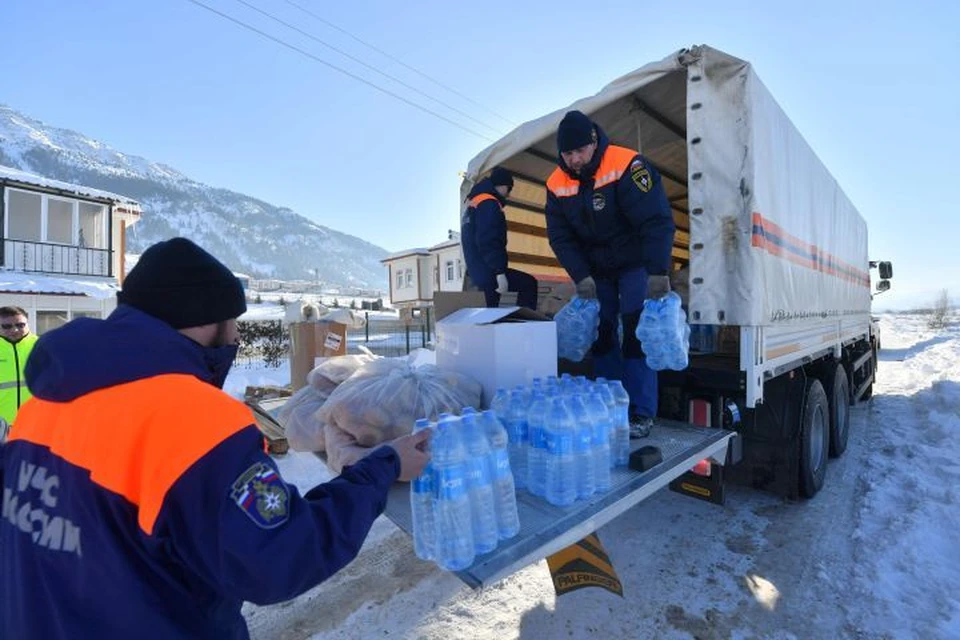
770, 237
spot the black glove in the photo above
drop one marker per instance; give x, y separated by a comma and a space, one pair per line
587, 288
657, 286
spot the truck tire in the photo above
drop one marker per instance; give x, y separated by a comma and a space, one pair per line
839, 386
814, 439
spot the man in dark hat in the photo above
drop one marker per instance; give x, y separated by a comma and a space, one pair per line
610, 225
483, 236
137, 499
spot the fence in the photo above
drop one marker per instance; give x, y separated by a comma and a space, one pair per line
267, 342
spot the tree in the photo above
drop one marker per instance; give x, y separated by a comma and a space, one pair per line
941, 308
353, 303
282, 301
258, 299
336, 303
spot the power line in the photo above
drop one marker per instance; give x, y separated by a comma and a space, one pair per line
399, 61
341, 70
368, 66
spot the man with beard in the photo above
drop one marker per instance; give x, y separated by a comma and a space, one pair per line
610, 226
137, 499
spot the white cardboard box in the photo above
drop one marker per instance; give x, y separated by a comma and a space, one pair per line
500, 347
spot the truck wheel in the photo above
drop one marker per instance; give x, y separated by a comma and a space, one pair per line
814, 439
839, 410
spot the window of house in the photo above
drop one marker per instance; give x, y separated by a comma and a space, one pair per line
449, 265
409, 277
24, 214
50, 320
399, 278
37, 217
459, 269
60, 220
93, 226
86, 314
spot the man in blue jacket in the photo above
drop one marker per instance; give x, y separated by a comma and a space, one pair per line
609, 223
483, 236
137, 500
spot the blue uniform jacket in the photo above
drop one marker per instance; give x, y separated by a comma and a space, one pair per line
483, 236
138, 503
615, 218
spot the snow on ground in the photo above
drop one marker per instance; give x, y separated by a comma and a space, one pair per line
872, 556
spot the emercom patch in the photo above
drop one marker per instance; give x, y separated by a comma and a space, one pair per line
641, 177
262, 495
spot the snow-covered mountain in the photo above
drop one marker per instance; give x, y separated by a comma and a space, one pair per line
249, 235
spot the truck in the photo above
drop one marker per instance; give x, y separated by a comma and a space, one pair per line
774, 257
773, 254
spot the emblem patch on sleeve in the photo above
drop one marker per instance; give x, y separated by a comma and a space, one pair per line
262, 495
641, 177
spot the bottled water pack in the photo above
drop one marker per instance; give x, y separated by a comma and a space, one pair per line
464, 502
664, 333
578, 324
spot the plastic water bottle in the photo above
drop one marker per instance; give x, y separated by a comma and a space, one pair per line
422, 507
601, 439
479, 485
454, 545
504, 491
561, 486
582, 446
602, 387
621, 423
537, 451
516, 424
501, 403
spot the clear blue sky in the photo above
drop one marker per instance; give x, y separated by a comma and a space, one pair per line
873, 86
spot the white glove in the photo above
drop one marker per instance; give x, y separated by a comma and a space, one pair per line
502, 283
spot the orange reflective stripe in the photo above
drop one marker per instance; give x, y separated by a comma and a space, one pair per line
136, 439
562, 185
476, 200
612, 166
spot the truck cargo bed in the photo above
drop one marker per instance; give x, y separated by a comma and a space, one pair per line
546, 529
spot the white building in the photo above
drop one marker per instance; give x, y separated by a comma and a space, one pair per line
415, 274
410, 273
448, 264
62, 254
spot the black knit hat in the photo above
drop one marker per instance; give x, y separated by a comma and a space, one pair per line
500, 177
178, 282
575, 131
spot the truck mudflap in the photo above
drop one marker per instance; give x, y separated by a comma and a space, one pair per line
546, 529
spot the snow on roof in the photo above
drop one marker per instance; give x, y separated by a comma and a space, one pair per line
19, 282
419, 251
22, 177
454, 242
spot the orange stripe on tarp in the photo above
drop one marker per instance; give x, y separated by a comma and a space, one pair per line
768, 236
136, 439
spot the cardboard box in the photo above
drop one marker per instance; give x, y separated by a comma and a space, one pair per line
500, 347
446, 302
312, 340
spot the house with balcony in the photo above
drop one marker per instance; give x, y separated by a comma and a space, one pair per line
415, 274
62, 252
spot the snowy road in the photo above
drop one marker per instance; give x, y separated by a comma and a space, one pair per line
872, 556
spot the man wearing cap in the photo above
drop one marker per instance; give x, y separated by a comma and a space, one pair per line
137, 500
609, 223
483, 236
15, 348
